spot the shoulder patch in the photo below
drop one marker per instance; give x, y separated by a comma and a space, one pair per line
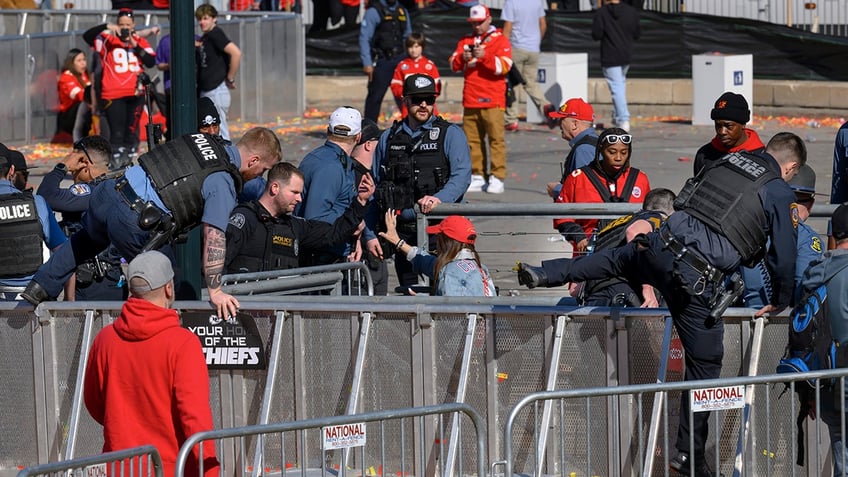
237, 220
793, 212
576, 172
816, 245
637, 192
80, 189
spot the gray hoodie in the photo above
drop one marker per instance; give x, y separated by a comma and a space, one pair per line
833, 269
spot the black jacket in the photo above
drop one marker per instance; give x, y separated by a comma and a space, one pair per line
616, 25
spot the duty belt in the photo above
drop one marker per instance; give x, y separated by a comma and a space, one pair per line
122, 185
687, 256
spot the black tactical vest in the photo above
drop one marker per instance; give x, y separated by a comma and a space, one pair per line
178, 168
21, 235
413, 168
388, 37
274, 247
725, 197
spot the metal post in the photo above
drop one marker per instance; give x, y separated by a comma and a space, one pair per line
470, 331
270, 383
553, 371
659, 397
742, 442
358, 366
76, 404
183, 119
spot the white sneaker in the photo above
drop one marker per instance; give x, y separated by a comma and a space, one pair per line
625, 125
496, 186
477, 183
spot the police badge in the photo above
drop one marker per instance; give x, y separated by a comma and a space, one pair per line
434, 134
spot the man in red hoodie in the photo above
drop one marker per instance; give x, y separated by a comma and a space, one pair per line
146, 381
730, 114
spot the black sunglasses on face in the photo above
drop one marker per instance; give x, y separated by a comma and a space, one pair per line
80, 146
430, 100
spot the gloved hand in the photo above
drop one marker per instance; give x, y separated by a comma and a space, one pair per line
531, 276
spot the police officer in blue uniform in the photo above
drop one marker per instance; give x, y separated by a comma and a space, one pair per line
422, 160
723, 218
181, 184
102, 277
26, 225
382, 34
264, 235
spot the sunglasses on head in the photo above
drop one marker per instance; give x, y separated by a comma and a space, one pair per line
80, 146
125, 13
614, 138
430, 100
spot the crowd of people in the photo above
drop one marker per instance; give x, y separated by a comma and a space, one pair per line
734, 234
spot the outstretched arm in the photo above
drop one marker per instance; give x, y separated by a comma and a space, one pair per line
214, 253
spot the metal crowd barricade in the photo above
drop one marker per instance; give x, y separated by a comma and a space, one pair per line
405, 452
352, 275
631, 456
143, 461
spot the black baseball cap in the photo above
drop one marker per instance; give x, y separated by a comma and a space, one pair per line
11, 157
370, 131
419, 84
839, 222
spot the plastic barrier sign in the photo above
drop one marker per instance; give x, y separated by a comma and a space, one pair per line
717, 399
344, 436
234, 344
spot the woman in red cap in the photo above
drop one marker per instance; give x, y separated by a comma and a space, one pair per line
456, 270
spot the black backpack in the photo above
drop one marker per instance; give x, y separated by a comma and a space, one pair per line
811, 347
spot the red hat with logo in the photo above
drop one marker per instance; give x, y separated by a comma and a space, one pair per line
456, 227
478, 13
575, 108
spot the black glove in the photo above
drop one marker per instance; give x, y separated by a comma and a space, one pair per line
532, 276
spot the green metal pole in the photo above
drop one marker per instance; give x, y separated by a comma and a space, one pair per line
183, 120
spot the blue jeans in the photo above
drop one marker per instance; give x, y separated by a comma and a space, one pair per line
222, 99
107, 219
616, 77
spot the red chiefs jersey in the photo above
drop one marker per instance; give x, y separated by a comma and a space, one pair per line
485, 78
120, 65
71, 91
578, 188
407, 67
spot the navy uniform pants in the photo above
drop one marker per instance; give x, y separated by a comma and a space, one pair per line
384, 70
702, 339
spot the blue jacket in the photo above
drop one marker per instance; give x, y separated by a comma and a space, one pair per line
73, 199
459, 277
53, 235
369, 26
329, 186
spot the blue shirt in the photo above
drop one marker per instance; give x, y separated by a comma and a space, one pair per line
163, 56
456, 150
329, 186
524, 15
53, 235
369, 26
583, 155
218, 192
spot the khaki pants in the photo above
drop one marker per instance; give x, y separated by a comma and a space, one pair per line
527, 63
479, 125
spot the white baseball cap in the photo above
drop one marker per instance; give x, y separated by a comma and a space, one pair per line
345, 121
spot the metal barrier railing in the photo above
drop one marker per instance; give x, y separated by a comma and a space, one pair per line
332, 278
745, 461
123, 463
355, 428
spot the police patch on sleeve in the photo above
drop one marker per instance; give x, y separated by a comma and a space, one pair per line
80, 189
816, 245
237, 220
793, 211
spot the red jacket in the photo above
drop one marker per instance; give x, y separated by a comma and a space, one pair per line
485, 78
407, 67
71, 92
120, 65
578, 188
146, 382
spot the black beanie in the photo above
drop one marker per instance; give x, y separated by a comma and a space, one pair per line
731, 106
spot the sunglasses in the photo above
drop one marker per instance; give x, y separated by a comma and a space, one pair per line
125, 13
23, 173
614, 138
430, 100
80, 146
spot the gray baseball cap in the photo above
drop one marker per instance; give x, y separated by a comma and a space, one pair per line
153, 267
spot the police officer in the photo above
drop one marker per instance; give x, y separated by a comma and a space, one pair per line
422, 160
26, 225
264, 235
723, 218
102, 277
382, 37
190, 180
615, 291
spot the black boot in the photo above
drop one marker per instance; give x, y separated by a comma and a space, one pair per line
532, 276
35, 294
680, 463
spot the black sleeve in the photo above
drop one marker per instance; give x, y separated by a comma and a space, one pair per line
148, 60
572, 232
91, 34
315, 234
236, 236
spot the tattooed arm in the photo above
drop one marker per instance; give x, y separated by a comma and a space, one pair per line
214, 252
